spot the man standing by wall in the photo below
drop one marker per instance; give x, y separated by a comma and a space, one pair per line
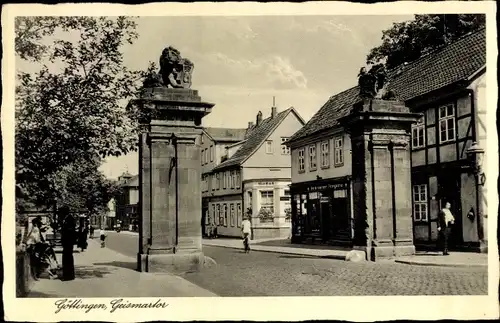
446, 220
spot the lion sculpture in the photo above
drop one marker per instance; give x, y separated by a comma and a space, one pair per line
175, 71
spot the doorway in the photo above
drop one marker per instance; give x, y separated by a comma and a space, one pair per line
449, 191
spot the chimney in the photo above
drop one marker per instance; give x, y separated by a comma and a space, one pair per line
250, 124
274, 110
259, 119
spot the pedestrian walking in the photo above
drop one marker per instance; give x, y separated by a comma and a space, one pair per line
68, 242
82, 238
102, 234
246, 230
445, 221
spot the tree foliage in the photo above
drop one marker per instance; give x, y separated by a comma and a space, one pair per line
406, 41
71, 113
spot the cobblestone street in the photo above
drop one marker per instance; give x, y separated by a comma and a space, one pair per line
273, 274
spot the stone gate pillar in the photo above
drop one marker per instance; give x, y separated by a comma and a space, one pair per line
170, 179
381, 175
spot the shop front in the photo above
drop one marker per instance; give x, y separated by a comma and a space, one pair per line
321, 211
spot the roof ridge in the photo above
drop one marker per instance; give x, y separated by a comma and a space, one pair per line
405, 65
258, 130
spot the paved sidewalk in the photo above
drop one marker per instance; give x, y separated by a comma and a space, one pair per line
284, 246
455, 259
257, 245
101, 272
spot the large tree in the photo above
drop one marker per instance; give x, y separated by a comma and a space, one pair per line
71, 111
406, 41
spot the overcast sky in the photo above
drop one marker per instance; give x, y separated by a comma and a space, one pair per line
240, 63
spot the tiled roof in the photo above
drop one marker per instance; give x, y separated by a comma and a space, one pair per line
255, 139
445, 66
226, 134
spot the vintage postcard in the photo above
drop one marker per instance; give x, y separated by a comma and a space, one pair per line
250, 161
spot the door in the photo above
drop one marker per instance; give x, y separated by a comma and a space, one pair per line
326, 222
449, 191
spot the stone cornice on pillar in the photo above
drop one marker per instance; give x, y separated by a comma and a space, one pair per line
166, 104
378, 111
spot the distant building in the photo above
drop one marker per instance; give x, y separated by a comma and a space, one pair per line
448, 87
126, 204
213, 142
252, 178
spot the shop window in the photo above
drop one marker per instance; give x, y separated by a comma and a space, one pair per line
212, 218
239, 217
420, 202
269, 146
233, 220
312, 157
218, 216
266, 212
339, 151
225, 215
447, 123
301, 160
325, 154
418, 134
285, 150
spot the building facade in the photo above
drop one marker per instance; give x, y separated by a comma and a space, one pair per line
253, 179
126, 204
447, 87
214, 142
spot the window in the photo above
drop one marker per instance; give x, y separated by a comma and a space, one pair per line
225, 215
418, 134
238, 179
269, 146
225, 180
217, 181
325, 154
339, 151
238, 215
312, 157
446, 123
420, 202
267, 200
211, 153
233, 178
301, 160
285, 150
233, 220
218, 216
214, 182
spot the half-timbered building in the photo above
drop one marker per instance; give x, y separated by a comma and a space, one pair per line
447, 87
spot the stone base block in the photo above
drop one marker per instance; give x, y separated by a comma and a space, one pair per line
386, 252
356, 256
172, 263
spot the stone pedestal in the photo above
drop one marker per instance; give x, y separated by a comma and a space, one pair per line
170, 180
381, 175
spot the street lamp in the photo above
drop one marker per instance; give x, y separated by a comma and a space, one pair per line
476, 156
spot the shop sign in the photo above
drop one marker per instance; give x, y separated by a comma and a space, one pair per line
325, 187
266, 183
324, 199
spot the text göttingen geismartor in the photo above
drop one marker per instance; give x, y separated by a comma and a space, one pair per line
112, 306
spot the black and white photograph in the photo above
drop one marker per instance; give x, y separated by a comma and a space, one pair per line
238, 161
